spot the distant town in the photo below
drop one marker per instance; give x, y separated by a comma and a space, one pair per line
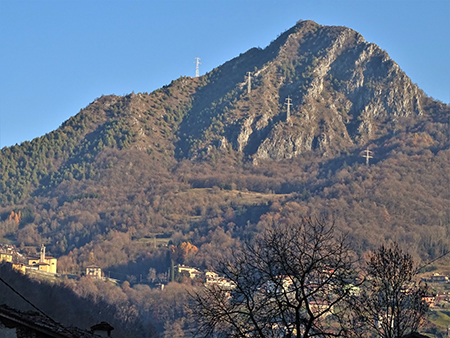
45, 264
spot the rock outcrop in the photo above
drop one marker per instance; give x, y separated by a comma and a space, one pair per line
344, 91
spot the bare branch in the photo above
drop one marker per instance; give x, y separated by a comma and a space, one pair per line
285, 283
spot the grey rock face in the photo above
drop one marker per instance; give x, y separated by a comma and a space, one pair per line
368, 85
344, 91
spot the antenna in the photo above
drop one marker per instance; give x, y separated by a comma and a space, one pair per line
249, 88
197, 63
368, 154
288, 104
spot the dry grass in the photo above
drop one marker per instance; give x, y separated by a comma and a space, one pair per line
236, 197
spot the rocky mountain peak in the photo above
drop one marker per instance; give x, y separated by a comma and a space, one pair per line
343, 92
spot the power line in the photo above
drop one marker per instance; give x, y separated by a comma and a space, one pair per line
368, 155
197, 63
26, 300
432, 261
35, 307
288, 104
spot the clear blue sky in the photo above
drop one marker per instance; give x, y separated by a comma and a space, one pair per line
57, 56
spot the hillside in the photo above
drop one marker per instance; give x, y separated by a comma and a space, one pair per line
205, 161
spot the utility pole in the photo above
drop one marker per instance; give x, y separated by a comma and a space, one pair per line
249, 83
288, 104
368, 154
197, 63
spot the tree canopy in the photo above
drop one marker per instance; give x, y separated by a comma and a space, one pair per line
284, 283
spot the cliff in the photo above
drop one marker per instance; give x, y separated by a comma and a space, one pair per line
345, 93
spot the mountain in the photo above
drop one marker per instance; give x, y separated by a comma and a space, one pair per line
208, 161
344, 91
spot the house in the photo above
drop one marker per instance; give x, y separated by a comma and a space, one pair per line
43, 263
193, 272
159, 286
441, 298
19, 267
279, 284
437, 278
429, 299
211, 275
94, 271
7, 253
41, 266
14, 323
6, 256
102, 329
220, 281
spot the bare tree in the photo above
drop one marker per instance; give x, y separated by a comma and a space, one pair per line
284, 283
390, 303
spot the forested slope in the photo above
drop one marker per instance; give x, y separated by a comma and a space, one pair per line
205, 161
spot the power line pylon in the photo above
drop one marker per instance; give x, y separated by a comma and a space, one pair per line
288, 104
197, 63
368, 155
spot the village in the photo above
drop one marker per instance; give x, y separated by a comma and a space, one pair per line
44, 264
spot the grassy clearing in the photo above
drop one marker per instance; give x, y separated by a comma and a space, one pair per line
42, 275
236, 196
440, 319
154, 241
